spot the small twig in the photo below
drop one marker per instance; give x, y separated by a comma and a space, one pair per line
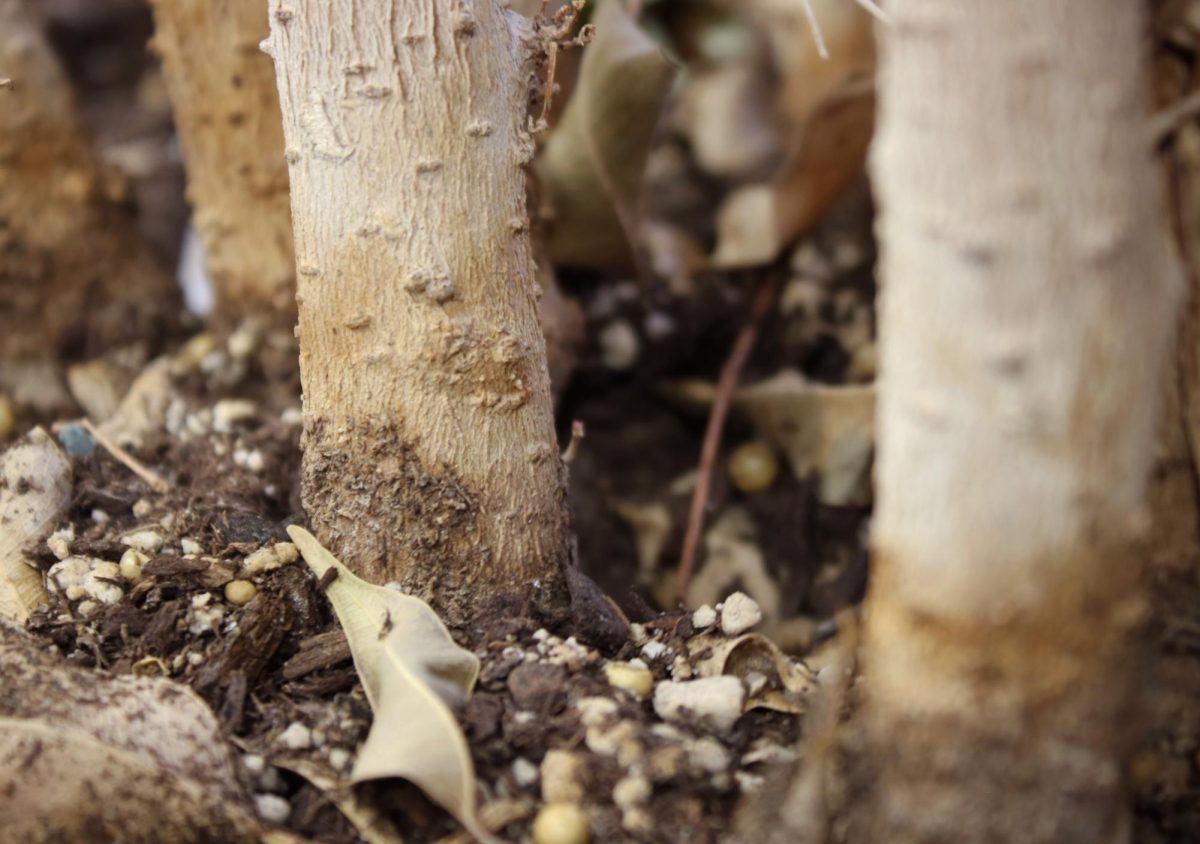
822, 50
330, 575
578, 432
730, 373
876, 12
548, 95
154, 481
558, 28
6, 84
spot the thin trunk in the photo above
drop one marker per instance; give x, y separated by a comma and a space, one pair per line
429, 449
226, 108
75, 278
1025, 324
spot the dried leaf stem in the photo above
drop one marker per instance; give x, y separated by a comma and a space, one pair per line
130, 462
731, 372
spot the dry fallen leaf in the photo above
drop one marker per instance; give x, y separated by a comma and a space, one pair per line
92, 757
97, 385
371, 824
412, 672
651, 525
143, 409
733, 558
827, 107
35, 489
757, 222
824, 430
591, 168
786, 683
727, 112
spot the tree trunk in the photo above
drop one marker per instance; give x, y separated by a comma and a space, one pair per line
429, 449
226, 108
1026, 318
75, 278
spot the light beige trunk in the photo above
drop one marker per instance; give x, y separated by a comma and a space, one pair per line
226, 108
429, 449
74, 276
1026, 316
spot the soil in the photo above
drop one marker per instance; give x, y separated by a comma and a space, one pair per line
280, 660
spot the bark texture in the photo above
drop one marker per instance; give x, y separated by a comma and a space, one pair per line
429, 449
1026, 320
74, 276
222, 88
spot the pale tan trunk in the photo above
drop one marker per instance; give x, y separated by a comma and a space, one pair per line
226, 107
1026, 317
429, 449
75, 278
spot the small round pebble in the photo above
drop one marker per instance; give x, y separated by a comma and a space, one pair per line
753, 467
707, 755
709, 703
272, 808
296, 737
131, 565
739, 613
60, 541
100, 582
631, 677
524, 772
144, 540
255, 461
653, 650
227, 412
560, 774
69, 576
244, 341
596, 710
75, 440
704, 617
269, 558
618, 345
632, 791
239, 592
561, 823
254, 763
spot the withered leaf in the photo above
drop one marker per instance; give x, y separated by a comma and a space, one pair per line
827, 107
826, 430
591, 168
35, 490
412, 672
786, 685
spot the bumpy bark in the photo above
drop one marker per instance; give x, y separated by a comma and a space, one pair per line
226, 108
74, 276
429, 450
1025, 324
